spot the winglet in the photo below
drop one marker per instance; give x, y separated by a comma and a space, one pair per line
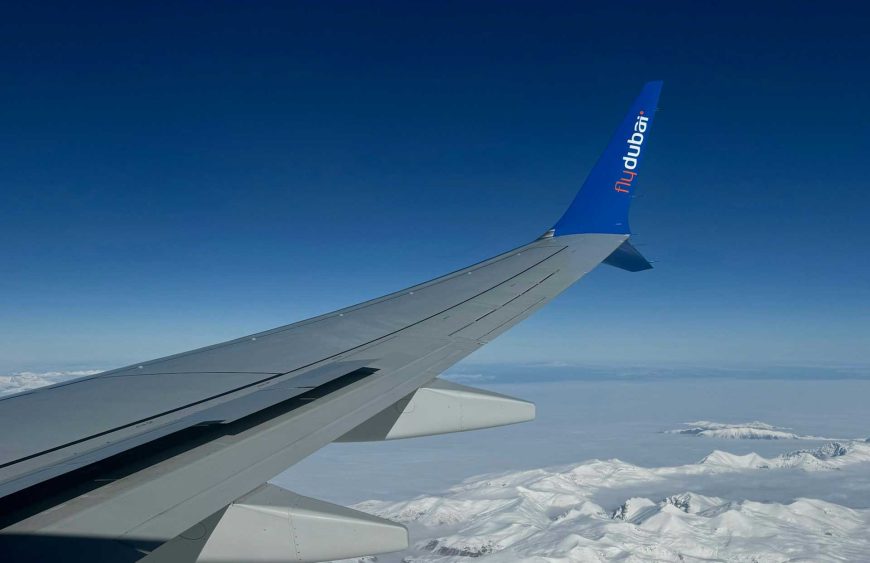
601, 205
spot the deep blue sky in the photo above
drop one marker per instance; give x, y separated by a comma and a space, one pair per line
174, 174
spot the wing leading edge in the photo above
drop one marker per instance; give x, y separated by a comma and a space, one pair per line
154, 464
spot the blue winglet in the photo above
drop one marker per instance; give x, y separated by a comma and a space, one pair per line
601, 205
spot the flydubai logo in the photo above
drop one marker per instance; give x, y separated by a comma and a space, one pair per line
632, 154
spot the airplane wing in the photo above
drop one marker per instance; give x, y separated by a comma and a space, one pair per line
168, 460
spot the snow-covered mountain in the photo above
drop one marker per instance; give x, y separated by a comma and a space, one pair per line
555, 515
832, 455
742, 431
